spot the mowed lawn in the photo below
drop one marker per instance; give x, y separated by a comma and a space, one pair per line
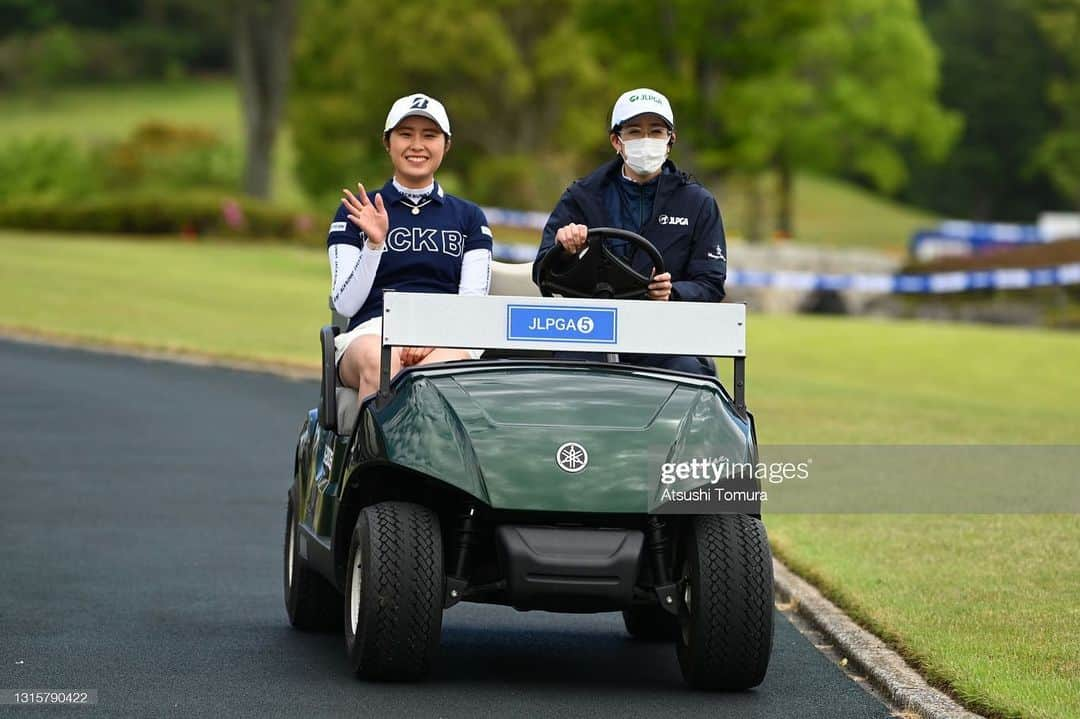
986, 605
827, 211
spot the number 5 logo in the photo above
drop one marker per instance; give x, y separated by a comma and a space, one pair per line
419, 103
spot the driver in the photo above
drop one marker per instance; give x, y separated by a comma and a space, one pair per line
641, 190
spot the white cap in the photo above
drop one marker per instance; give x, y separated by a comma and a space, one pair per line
418, 104
638, 102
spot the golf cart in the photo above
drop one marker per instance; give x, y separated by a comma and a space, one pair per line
533, 481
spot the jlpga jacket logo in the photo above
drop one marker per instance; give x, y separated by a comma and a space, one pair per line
673, 220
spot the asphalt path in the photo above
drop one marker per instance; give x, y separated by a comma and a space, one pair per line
142, 512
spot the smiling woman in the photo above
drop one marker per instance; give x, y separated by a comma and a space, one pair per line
409, 236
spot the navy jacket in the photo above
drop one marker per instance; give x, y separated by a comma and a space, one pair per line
685, 226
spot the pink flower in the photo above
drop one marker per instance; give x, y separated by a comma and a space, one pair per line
233, 215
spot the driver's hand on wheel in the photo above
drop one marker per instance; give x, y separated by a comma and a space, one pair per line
572, 237
414, 355
660, 286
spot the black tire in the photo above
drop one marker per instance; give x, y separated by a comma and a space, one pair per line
651, 624
311, 602
726, 612
393, 613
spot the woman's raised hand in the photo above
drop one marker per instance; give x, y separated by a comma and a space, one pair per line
369, 216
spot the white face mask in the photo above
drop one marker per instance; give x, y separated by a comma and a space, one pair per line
645, 156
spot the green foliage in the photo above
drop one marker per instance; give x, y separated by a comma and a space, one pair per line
995, 66
156, 157
516, 78
58, 56
1059, 153
47, 43
22, 15
702, 54
827, 85
160, 156
160, 214
867, 80
45, 167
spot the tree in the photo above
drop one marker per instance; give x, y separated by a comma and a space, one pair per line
515, 76
262, 37
1059, 152
863, 82
832, 85
700, 53
994, 68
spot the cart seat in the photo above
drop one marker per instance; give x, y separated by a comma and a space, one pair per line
513, 280
348, 409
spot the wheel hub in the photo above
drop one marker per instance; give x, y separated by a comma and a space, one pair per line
291, 549
354, 594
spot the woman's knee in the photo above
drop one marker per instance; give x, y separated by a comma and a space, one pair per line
360, 362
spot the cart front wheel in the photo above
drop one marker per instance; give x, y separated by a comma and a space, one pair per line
726, 612
394, 592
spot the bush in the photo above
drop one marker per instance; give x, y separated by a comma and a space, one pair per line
47, 168
156, 214
159, 155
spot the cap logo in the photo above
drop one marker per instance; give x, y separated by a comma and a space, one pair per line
654, 98
419, 103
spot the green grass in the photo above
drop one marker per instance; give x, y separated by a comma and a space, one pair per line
827, 211
985, 604
868, 381
835, 213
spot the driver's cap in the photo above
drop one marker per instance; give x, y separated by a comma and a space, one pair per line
638, 102
418, 104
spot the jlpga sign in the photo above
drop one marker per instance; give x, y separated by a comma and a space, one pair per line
561, 324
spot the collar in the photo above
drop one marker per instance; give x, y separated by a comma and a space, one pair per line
635, 183
391, 194
612, 171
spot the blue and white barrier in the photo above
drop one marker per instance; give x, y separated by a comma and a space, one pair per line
931, 283
991, 231
515, 218
875, 283
960, 238
514, 253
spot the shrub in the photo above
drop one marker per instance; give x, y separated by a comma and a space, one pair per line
47, 168
159, 155
189, 214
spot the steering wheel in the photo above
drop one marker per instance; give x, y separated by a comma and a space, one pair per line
596, 271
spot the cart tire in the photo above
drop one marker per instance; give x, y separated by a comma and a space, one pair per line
394, 591
726, 612
651, 624
311, 602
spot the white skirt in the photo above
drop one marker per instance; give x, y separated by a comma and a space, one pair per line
371, 327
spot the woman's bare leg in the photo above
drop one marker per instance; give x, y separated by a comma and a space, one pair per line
441, 354
359, 366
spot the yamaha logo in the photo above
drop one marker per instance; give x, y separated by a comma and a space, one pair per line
572, 457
